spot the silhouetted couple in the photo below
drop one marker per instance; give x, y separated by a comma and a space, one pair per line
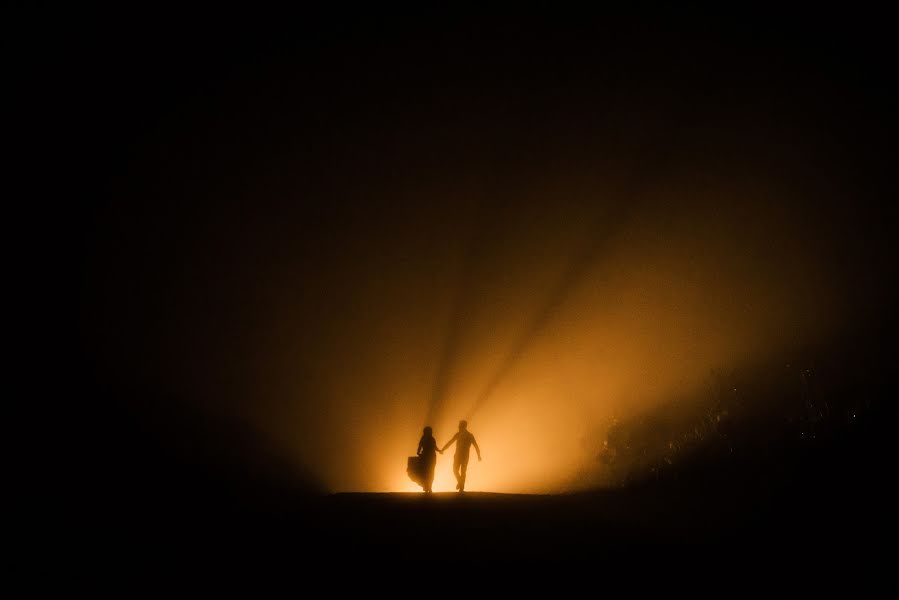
427, 452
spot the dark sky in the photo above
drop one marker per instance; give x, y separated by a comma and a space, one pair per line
275, 221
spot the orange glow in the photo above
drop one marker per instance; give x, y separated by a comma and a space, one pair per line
539, 322
669, 300
321, 254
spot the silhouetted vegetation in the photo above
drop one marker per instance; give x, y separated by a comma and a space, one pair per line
817, 397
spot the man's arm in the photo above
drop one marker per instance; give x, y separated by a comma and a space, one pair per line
474, 443
449, 443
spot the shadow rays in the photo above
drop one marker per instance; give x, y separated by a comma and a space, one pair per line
575, 273
620, 212
654, 152
480, 238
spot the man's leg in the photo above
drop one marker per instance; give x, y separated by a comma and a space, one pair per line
456, 464
463, 469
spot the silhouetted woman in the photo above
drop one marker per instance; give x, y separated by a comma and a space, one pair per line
427, 450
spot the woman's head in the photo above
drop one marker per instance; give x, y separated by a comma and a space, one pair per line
428, 431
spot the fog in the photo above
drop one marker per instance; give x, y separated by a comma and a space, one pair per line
540, 253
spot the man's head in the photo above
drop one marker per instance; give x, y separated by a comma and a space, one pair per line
427, 431
463, 425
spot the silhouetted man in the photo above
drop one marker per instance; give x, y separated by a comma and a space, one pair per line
464, 441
